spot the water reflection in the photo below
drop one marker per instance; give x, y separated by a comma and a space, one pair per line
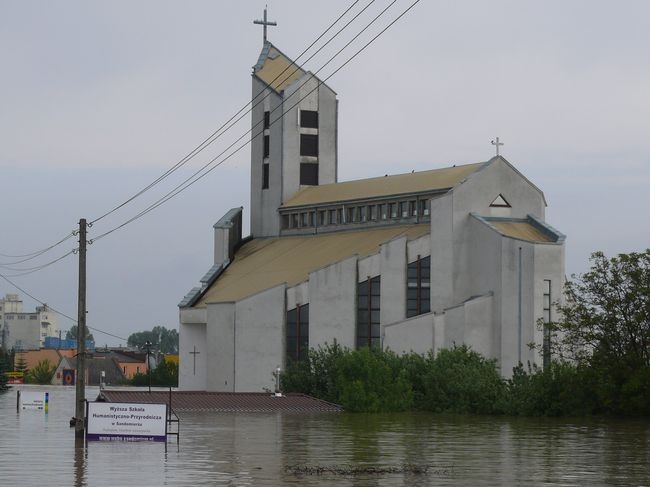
264, 449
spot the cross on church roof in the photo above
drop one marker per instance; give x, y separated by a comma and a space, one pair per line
497, 144
265, 22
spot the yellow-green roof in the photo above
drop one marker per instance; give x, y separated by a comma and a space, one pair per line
415, 182
522, 231
277, 70
266, 262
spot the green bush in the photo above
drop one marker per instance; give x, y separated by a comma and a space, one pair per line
164, 375
373, 381
41, 374
459, 380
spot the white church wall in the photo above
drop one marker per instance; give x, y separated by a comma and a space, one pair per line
475, 195
298, 294
478, 325
369, 267
332, 308
418, 247
327, 135
442, 253
549, 265
220, 340
454, 326
393, 281
413, 335
190, 336
511, 349
259, 339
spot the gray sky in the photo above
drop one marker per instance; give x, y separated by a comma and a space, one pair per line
97, 99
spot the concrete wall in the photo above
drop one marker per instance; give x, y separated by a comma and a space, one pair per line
190, 336
411, 335
259, 340
393, 281
22, 331
220, 343
332, 307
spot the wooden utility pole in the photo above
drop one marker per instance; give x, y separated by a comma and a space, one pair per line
80, 411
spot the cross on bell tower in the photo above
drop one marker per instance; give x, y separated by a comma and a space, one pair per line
265, 22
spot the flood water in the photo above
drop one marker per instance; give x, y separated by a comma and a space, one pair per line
236, 449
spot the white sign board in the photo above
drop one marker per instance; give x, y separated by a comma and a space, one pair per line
113, 421
32, 400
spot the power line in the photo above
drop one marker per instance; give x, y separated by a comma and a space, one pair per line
197, 175
33, 255
227, 125
29, 270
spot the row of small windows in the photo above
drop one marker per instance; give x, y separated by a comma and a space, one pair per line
368, 330
10, 316
357, 214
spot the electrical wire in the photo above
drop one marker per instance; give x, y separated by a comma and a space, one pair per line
227, 125
56, 310
200, 174
33, 255
29, 270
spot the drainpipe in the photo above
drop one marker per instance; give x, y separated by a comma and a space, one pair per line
519, 312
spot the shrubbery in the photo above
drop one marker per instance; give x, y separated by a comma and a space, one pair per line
164, 375
459, 380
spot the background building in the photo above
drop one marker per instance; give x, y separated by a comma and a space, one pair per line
25, 330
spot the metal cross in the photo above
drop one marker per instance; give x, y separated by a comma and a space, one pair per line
195, 353
265, 22
497, 143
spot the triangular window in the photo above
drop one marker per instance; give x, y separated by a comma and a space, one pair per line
500, 202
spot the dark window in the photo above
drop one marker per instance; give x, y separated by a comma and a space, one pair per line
267, 119
298, 332
266, 146
309, 119
265, 176
418, 283
322, 217
333, 219
368, 295
309, 173
309, 145
547, 324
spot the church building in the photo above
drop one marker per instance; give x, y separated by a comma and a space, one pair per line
409, 262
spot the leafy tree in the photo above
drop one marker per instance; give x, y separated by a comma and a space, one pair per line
162, 339
605, 326
164, 375
71, 334
41, 374
4, 367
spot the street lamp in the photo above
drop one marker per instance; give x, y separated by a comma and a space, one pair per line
148, 345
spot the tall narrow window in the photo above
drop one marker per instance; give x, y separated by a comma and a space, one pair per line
267, 146
368, 295
298, 332
265, 176
309, 119
267, 120
309, 173
418, 283
309, 145
547, 324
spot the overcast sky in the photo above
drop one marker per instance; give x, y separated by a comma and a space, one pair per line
97, 99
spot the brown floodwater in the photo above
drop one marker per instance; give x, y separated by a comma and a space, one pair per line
238, 449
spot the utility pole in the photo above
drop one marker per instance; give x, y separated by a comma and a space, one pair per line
80, 398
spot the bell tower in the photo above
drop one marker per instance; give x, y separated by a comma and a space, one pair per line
294, 135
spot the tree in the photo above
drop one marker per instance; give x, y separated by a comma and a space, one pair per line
605, 326
41, 374
71, 334
4, 367
160, 338
164, 375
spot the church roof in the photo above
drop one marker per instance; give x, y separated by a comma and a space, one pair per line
276, 69
415, 182
528, 229
267, 262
